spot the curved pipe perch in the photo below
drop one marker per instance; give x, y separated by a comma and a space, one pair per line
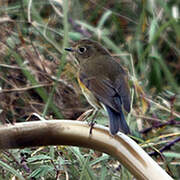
76, 133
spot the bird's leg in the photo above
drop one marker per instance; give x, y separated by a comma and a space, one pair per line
91, 113
92, 122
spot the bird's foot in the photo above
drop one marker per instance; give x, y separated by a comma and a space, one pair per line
91, 114
92, 121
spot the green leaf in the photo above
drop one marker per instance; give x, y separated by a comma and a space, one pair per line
11, 169
41, 171
38, 158
104, 157
172, 154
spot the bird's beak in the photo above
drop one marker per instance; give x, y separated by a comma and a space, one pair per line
69, 49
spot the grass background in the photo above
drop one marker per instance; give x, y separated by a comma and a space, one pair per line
37, 77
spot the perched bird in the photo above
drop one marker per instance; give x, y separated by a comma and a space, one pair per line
103, 81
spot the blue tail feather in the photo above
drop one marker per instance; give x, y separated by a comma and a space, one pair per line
117, 121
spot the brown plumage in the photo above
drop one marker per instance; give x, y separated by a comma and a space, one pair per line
103, 81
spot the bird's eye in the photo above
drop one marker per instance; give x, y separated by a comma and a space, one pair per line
81, 50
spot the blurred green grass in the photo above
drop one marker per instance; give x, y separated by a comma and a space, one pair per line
145, 35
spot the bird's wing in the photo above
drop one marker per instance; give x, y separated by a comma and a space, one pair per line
111, 94
103, 90
122, 88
